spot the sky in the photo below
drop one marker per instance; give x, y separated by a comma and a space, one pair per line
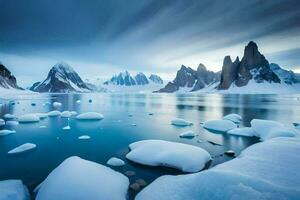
100, 38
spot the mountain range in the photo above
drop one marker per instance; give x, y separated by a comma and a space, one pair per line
7, 80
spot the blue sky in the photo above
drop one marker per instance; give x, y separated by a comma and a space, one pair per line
100, 38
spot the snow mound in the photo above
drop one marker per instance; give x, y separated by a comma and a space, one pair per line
84, 137
13, 190
54, 113
187, 158
78, 179
220, 125
181, 122
2, 122
267, 129
234, 118
6, 132
12, 123
28, 118
56, 104
90, 116
66, 114
188, 134
266, 170
9, 116
245, 131
22, 148
116, 162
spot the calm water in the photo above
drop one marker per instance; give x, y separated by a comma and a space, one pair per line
111, 136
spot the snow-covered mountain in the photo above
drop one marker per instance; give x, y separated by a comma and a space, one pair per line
61, 78
7, 80
286, 76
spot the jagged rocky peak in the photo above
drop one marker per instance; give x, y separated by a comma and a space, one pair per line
185, 77
61, 78
141, 79
156, 79
229, 72
7, 80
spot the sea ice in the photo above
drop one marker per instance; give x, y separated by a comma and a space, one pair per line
66, 114
90, 116
266, 170
267, 129
245, 131
181, 122
73, 113
185, 157
9, 116
188, 134
84, 137
219, 125
6, 132
54, 113
78, 179
116, 162
22, 148
28, 118
2, 122
41, 115
13, 190
234, 118
12, 123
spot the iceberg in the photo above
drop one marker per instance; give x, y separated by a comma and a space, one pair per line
90, 116
13, 190
12, 123
9, 116
73, 113
66, 128
181, 122
22, 148
219, 125
43, 126
267, 129
41, 115
2, 122
185, 157
78, 102
268, 170
116, 162
78, 179
245, 131
54, 113
28, 118
234, 118
188, 134
56, 104
84, 137
6, 132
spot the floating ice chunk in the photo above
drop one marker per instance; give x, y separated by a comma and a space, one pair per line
188, 134
2, 122
78, 179
181, 122
6, 132
54, 113
267, 170
13, 190
66, 113
66, 128
90, 116
187, 158
22, 148
12, 123
219, 125
234, 118
73, 113
56, 104
267, 129
116, 162
9, 116
43, 126
84, 137
41, 115
28, 118
78, 102
245, 131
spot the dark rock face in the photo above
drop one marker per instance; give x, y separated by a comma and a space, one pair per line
7, 80
187, 77
61, 78
252, 66
141, 79
155, 79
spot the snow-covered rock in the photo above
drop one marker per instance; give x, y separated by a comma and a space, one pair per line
219, 125
6, 132
22, 148
187, 158
116, 162
245, 131
266, 170
56, 104
90, 116
12, 123
9, 116
66, 114
84, 137
181, 122
13, 190
28, 118
78, 179
187, 134
267, 129
234, 118
54, 113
